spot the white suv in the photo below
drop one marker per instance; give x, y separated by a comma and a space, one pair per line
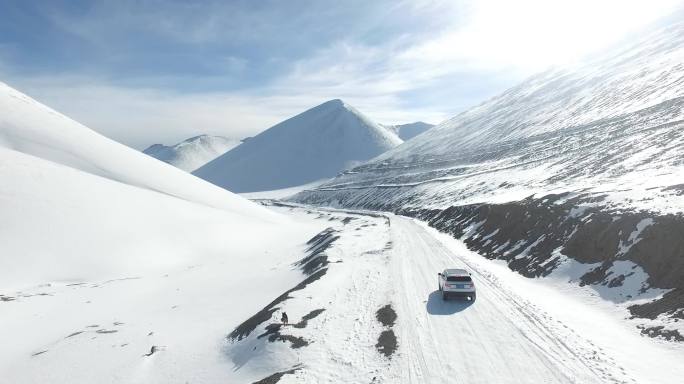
456, 282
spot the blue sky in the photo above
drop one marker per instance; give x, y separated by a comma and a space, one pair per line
160, 71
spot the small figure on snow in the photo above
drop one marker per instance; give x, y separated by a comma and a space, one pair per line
283, 318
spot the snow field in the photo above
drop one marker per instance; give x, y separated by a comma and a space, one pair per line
93, 330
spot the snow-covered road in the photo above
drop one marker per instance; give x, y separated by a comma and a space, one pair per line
499, 338
518, 330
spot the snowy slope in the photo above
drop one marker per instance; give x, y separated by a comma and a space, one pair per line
192, 153
62, 224
77, 205
313, 145
118, 268
598, 125
98, 274
32, 128
576, 164
410, 130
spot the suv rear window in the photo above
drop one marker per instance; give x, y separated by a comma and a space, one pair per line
459, 278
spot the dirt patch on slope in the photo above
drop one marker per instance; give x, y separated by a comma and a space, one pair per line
671, 303
527, 233
274, 334
316, 257
387, 341
678, 189
248, 326
660, 332
274, 378
313, 265
386, 316
274, 331
309, 316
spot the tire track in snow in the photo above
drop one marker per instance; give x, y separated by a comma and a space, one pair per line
545, 328
499, 338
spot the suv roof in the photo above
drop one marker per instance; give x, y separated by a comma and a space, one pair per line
456, 272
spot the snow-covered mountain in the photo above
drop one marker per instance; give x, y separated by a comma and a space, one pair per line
77, 205
110, 257
410, 130
313, 145
577, 170
116, 268
192, 153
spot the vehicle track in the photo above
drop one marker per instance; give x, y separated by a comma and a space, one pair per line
498, 338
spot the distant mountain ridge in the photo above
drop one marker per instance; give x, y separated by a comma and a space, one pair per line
316, 144
78, 205
410, 130
194, 152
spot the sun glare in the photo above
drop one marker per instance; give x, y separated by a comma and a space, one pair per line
533, 34
543, 32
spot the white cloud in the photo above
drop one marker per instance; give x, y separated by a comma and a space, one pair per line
141, 117
401, 78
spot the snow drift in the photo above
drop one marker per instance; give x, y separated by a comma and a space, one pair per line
192, 153
313, 145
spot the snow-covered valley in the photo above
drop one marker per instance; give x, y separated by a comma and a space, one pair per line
360, 290
311, 252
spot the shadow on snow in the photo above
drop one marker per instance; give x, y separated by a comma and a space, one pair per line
437, 306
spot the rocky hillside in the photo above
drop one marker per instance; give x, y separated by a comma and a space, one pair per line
576, 171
